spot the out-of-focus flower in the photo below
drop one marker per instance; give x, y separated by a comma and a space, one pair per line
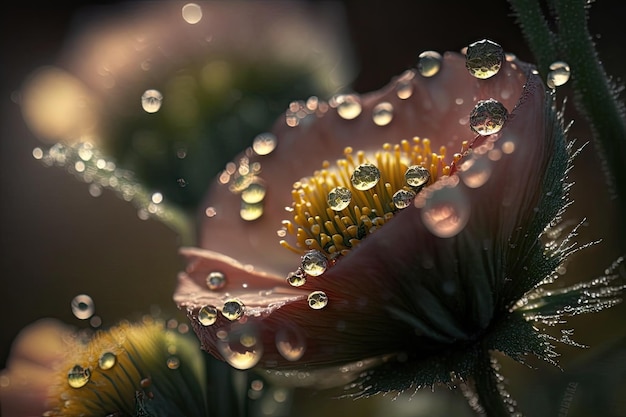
131, 369
424, 247
173, 97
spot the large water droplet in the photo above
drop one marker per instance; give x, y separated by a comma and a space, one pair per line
488, 117
251, 212
297, 278
264, 143
107, 360
192, 13
83, 306
416, 176
78, 376
429, 63
216, 280
403, 198
365, 176
241, 348
290, 343
484, 58
446, 212
314, 263
233, 309
558, 75
348, 106
207, 315
339, 198
254, 193
151, 101
317, 300
382, 113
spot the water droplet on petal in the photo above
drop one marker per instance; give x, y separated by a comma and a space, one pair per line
151, 101
314, 263
207, 315
446, 212
233, 309
107, 360
348, 106
416, 176
365, 176
429, 63
488, 117
484, 59
558, 75
296, 279
290, 343
403, 198
173, 362
216, 280
78, 376
382, 114
404, 90
83, 306
264, 143
250, 212
317, 300
254, 193
339, 198
192, 13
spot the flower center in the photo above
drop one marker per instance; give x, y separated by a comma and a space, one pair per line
337, 207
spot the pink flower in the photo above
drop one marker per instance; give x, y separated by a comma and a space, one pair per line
403, 291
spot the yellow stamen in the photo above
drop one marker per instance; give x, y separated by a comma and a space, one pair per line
317, 226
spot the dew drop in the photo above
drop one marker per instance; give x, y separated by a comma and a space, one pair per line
484, 59
78, 376
207, 315
429, 63
558, 75
403, 198
348, 106
488, 117
317, 300
250, 212
339, 198
254, 193
107, 360
297, 278
365, 176
404, 90
83, 306
233, 309
173, 362
290, 343
151, 101
446, 212
157, 198
37, 153
382, 114
416, 176
192, 13
264, 143
216, 280
314, 263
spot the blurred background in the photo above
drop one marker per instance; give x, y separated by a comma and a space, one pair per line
58, 240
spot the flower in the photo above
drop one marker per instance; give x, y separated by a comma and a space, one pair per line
451, 182
130, 369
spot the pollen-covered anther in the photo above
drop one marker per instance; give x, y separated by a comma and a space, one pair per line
342, 203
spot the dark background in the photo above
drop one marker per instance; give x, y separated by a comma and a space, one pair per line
57, 241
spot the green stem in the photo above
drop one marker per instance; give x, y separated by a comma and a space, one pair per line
489, 396
595, 96
535, 28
